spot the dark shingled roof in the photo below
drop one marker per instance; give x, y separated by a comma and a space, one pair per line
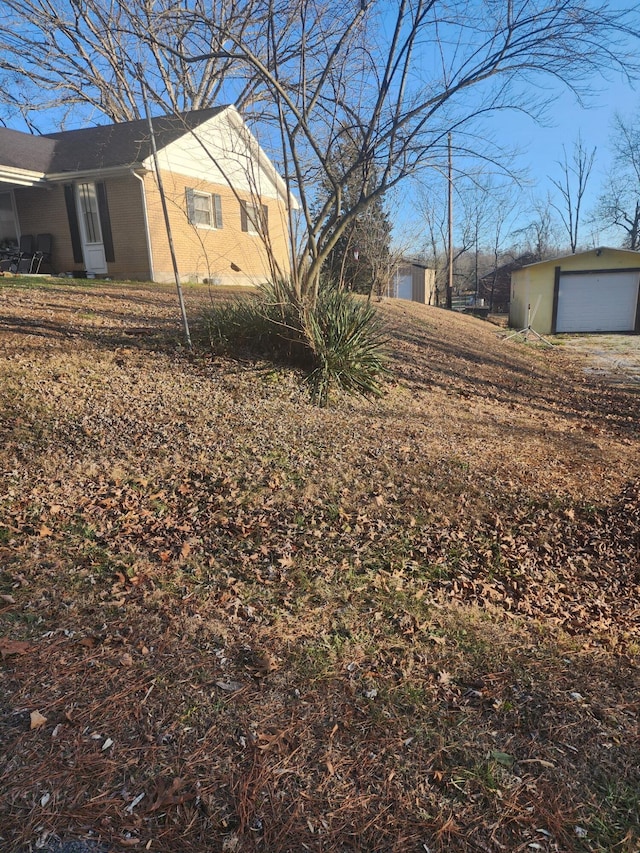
24, 151
123, 144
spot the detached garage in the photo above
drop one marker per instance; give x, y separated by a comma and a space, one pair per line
594, 291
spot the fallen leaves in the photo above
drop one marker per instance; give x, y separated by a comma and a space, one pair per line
10, 647
323, 627
37, 720
170, 794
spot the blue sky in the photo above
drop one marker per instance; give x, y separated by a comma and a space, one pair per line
540, 150
541, 145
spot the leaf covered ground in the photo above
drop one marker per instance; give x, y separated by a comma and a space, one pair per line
232, 621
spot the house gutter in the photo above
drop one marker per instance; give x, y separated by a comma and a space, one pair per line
146, 222
87, 174
21, 177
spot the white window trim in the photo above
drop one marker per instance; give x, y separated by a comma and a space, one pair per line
214, 226
252, 228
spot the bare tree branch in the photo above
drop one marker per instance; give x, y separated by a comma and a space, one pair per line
76, 59
619, 203
572, 187
395, 78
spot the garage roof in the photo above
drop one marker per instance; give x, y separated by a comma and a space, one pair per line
601, 252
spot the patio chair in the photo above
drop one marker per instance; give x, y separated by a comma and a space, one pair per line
21, 261
8, 250
42, 254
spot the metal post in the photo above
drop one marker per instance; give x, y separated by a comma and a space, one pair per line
449, 294
165, 212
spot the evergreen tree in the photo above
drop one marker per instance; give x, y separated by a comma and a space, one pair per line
360, 259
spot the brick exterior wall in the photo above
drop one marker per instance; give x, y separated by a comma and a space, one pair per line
202, 253
126, 212
207, 253
43, 211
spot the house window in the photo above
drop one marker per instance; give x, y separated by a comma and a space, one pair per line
8, 231
89, 212
204, 209
254, 218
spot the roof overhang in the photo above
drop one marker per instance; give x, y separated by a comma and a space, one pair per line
92, 174
11, 177
598, 251
21, 177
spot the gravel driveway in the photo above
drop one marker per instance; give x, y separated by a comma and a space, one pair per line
615, 358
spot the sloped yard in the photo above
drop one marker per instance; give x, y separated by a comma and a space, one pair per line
232, 621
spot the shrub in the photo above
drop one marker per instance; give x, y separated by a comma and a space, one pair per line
338, 340
346, 337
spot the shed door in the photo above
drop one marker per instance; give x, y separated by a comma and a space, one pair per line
405, 290
605, 302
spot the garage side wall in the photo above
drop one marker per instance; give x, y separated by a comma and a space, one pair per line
532, 286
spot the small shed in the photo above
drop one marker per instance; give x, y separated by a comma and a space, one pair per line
593, 291
414, 281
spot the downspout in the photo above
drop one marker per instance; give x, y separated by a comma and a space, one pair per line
146, 222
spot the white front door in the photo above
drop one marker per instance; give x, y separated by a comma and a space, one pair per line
92, 245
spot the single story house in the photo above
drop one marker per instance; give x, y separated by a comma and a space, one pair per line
96, 192
414, 281
592, 291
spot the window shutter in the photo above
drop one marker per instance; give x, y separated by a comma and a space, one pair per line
105, 222
191, 216
243, 216
217, 206
265, 217
74, 227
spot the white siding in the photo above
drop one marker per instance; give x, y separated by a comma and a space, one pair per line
221, 151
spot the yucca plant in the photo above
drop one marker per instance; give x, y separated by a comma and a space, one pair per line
338, 339
346, 337
266, 322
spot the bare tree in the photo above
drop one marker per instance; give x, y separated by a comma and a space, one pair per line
619, 203
433, 213
482, 209
390, 77
434, 216
394, 78
572, 185
360, 257
505, 212
538, 237
80, 59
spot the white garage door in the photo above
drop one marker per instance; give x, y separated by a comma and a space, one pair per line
604, 302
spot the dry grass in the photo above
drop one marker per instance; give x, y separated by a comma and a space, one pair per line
405, 625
